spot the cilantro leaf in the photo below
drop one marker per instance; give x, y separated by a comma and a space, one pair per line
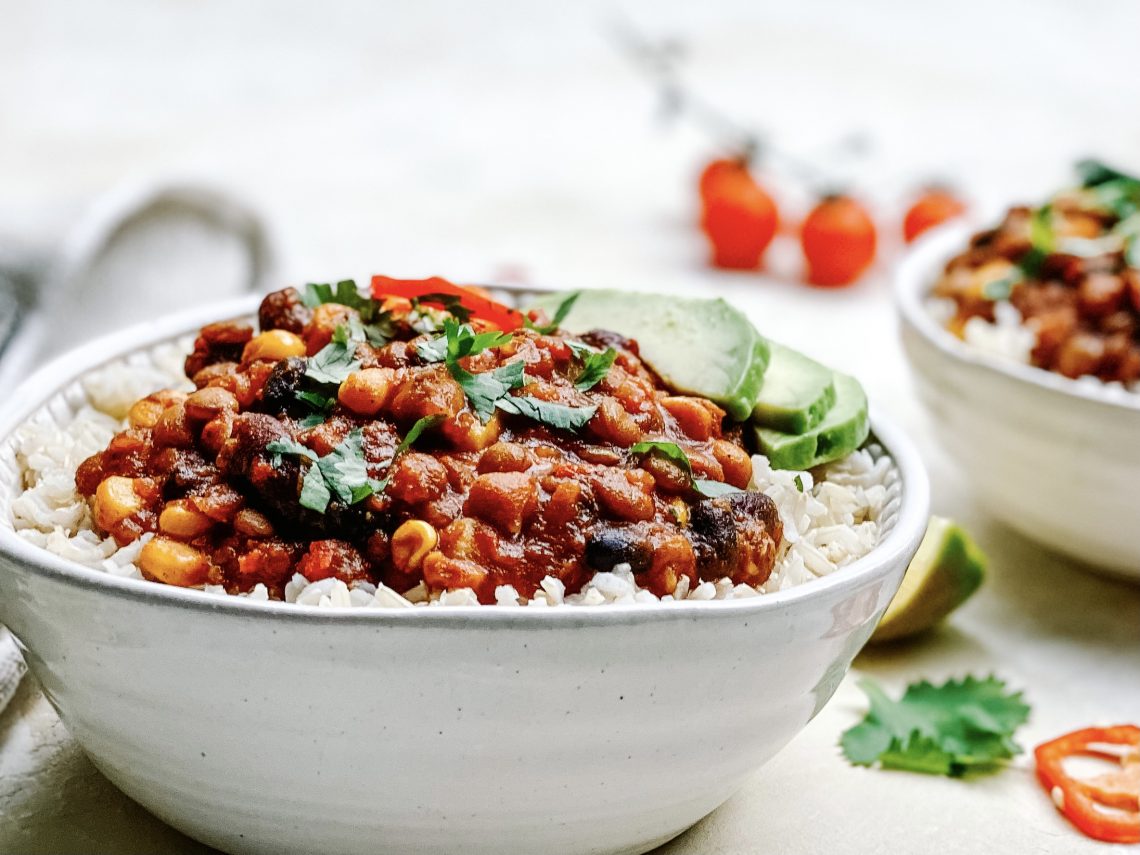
342, 472
317, 401
1093, 173
595, 367
452, 304
581, 349
712, 489
559, 316
372, 323
434, 350
952, 729
315, 494
1002, 289
288, 445
421, 425
458, 341
483, 390
547, 413
672, 451
335, 361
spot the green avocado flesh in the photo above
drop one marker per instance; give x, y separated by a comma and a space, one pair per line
796, 394
842, 430
698, 347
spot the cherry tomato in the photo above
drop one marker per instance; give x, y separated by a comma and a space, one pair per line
838, 240
739, 218
723, 172
934, 207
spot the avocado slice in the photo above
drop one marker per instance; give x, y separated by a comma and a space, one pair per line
697, 347
796, 394
943, 574
842, 430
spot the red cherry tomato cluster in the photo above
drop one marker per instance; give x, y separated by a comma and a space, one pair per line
838, 236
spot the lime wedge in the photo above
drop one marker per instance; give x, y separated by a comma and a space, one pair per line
945, 571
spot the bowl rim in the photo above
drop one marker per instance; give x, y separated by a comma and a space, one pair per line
36, 390
913, 280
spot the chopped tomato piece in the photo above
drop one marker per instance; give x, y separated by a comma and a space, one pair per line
1106, 807
474, 300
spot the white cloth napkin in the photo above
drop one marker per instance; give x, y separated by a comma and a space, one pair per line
12, 667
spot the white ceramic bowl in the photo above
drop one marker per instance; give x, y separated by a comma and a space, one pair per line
275, 728
1056, 459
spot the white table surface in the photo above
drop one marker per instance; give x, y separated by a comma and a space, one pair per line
511, 141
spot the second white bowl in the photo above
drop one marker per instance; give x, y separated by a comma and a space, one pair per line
1055, 459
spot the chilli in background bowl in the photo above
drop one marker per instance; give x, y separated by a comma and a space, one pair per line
1054, 458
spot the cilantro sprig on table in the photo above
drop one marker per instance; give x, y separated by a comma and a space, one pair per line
672, 451
960, 727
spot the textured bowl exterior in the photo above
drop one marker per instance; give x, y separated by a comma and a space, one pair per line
270, 728
1055, 460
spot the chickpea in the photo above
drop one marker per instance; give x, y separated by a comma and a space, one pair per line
735, 461
411, 543
694, 417
467, 433
366, 392
206, 403
506, 457
252, 523
216, 431
613, 424
144, 413
115, 501
182, 520
504, 499
173, 428
273, 344
174, 563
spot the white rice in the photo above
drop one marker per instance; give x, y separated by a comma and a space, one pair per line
1008, 337
832, 515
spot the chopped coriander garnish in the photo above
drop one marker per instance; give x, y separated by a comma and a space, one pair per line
341, 473
1041, 238
374, 324
484, 390
1001, 289
952, 729
594, 368
672, 451
550, 414
799, 482
559, 316
458, 341
581, 349
421, 425
335, 361
451, 304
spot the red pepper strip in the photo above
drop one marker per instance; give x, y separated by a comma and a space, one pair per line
1082, 800
482, 307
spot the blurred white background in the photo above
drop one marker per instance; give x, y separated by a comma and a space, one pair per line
512, 140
